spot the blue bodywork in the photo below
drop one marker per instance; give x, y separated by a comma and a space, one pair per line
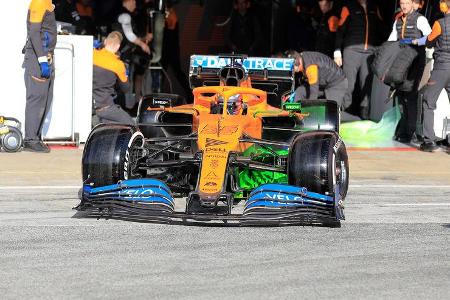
280, 195
268, 202
147, 192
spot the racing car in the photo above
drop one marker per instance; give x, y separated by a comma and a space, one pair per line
230, 156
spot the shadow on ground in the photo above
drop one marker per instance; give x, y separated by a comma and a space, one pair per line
95, 214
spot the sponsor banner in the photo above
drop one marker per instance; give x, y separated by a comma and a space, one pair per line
251, 63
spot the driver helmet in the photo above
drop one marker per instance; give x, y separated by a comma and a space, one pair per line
234, 104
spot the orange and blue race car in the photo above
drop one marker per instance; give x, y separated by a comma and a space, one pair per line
240, 153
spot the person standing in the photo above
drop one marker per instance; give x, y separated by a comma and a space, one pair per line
135, 50
327, 25
411, 29
171, 50
359, 32
440, 76
109, 70
244, 33
39, 71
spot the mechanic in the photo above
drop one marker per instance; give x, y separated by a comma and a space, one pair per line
359, 32
86, 13
244, 33
171, 50
417, 6
327, 24
235, 105
133, 24
411, 28
39, 71
66, 11
321, 78
440, 77
107, 69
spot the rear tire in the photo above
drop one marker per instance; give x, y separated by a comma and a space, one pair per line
318, 161
110, 154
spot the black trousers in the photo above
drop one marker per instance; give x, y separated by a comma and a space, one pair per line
334, 92
439, 80
39, 97
408, 105
356, 66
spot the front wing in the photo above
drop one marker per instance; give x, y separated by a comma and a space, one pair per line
269, 204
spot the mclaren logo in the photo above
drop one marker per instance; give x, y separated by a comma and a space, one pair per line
212, 142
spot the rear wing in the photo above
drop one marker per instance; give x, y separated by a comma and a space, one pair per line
272, 75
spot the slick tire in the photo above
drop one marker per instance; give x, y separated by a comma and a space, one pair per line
110, 154
318, 161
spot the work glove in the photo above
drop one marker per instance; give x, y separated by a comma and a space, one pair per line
420, 42
97, 44
406, 41
45, 67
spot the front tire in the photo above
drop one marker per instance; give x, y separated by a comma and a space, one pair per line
110, 154
318, 161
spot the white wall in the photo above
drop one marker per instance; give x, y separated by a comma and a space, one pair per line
12, 86
13, 32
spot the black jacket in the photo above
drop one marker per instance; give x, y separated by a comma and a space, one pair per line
358, 29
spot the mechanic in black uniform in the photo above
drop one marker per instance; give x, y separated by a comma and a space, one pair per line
66, 11
135, 51
321, 78
171, 50
327, 24
108, 70
244, 33
39, 71
410, 28
359, 31
440, 77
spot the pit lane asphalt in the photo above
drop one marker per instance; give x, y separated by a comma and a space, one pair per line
395, 242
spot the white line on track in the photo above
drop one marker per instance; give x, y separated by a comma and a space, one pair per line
40, 187
415, 204
399, 186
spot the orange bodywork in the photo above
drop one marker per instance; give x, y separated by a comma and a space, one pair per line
219, 133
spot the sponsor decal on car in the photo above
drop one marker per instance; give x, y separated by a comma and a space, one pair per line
138, 193
220, 130
283, 197
210, 149
162, 102
211, 175
250, 63
216, 156
214, 164
213, 142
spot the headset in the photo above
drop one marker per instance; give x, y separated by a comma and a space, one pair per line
443, 6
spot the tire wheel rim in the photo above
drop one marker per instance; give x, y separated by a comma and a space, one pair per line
340, 174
